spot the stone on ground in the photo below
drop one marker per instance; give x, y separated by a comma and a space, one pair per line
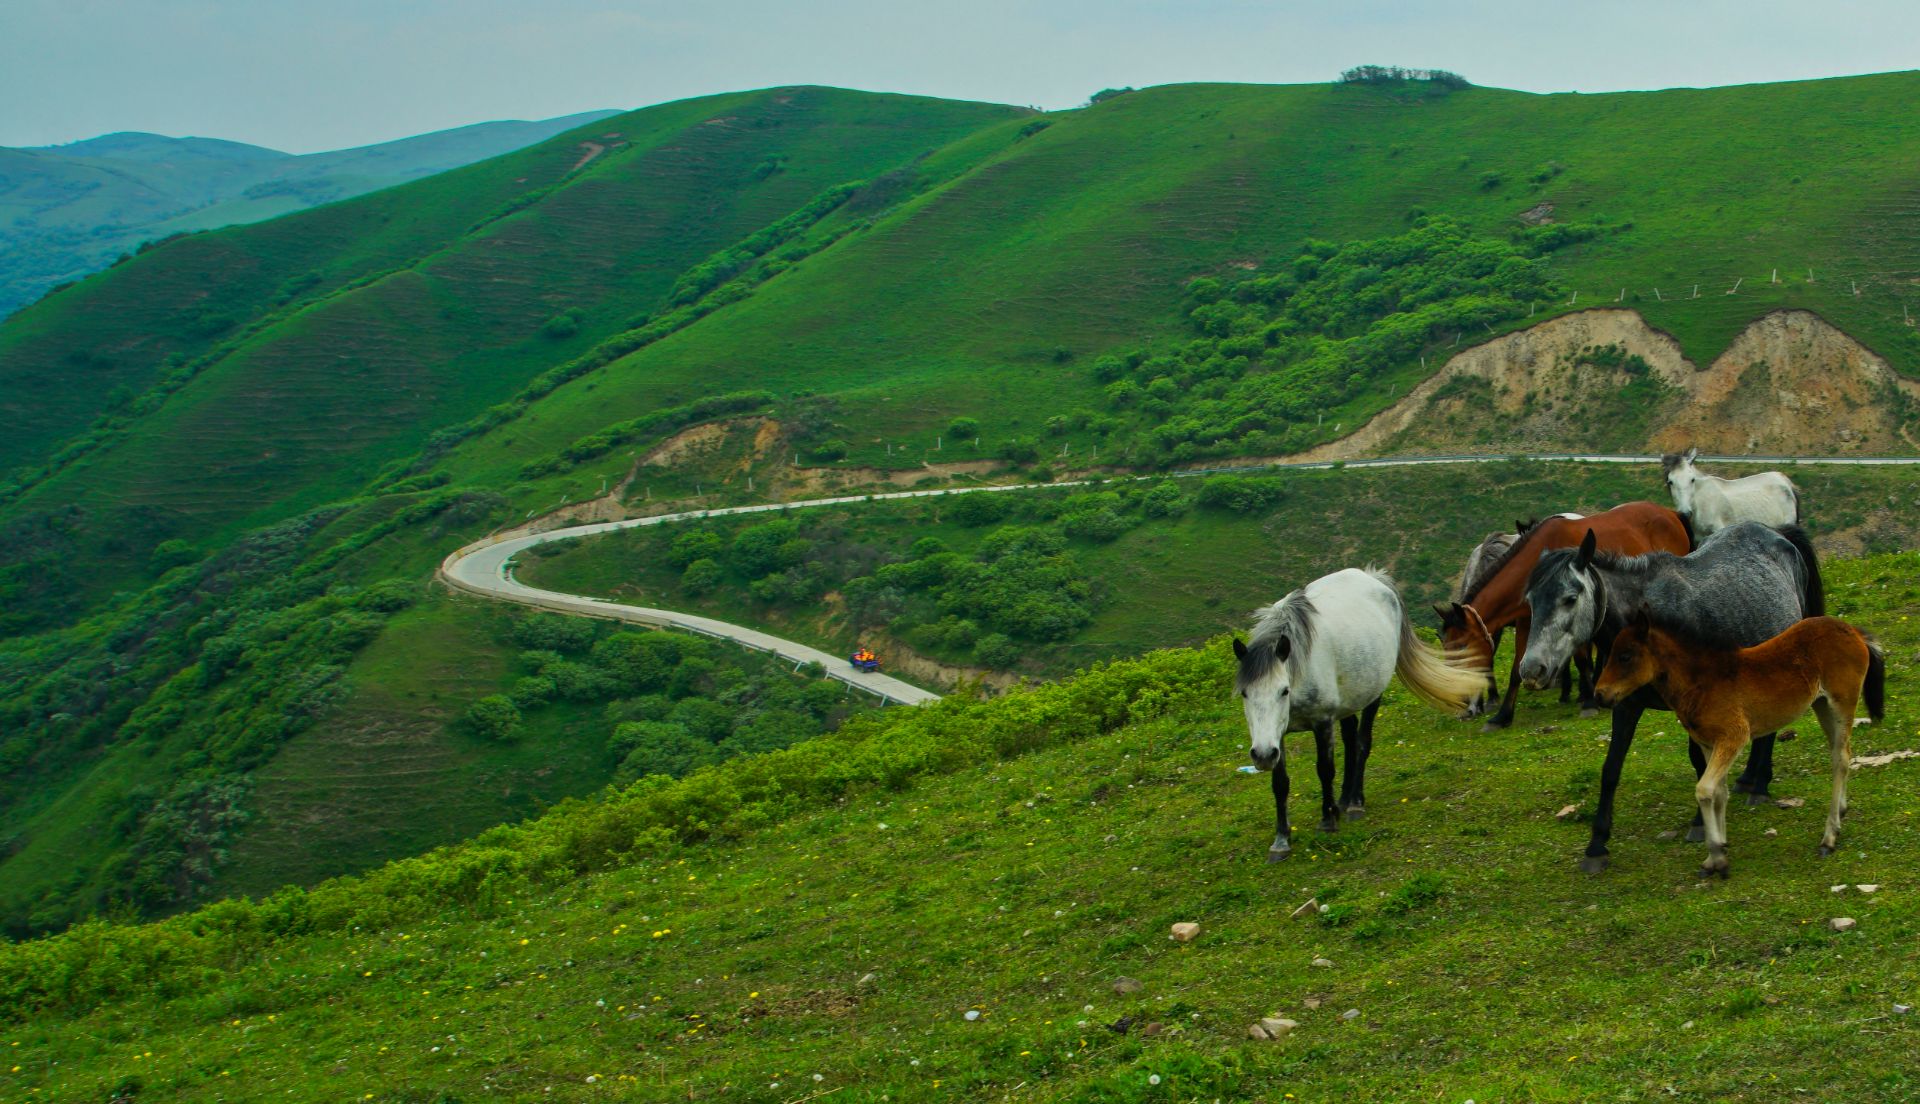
1842, 923
1184, 932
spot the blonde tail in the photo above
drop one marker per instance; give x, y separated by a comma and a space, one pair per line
1447, 680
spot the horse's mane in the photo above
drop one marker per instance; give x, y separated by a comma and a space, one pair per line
1481, 565
1492, 570
1694, 635
1291, 617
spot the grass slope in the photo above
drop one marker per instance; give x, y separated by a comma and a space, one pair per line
452, 281
1080, 238
836, 949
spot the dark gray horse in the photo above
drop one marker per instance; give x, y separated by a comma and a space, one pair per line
1744, 585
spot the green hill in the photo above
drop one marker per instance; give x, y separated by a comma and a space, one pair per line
71, 210
827, 920
242, 452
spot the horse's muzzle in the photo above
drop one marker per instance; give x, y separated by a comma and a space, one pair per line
1265, 759
1534, 676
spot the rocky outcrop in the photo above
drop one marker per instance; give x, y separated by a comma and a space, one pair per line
1790, 382
1793, 383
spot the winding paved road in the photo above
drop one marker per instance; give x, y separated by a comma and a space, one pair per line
485, 567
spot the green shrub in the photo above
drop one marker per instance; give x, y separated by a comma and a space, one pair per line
170, 554
997, 650
963, 428
494, 717
702, 576
1165, 500
695, 544
562, 325
1239, 493
657, 747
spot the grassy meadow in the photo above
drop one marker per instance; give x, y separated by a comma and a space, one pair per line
834, 941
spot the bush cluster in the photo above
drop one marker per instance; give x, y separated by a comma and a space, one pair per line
1273, 353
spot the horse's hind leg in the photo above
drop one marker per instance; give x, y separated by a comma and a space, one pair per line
1323, 760
1758, 776
1283, 833
1838, 723
1358, 752
1350, 755
1697, 830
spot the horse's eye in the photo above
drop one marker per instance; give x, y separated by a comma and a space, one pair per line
1287, 691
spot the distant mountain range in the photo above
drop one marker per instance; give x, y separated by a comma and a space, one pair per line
66, 211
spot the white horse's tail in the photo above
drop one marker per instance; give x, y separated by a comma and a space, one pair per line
1447, 680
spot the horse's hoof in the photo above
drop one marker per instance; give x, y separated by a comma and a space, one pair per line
1595, 864
1279, 854
1827, 849
1707, 872
1330, 824
1494, 724
1587, 711
1356, 812
1696, 834
1755, 797
1743, 785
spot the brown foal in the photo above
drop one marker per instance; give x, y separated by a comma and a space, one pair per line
1724, 696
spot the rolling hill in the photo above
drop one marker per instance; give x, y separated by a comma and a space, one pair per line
237, 445
71, 210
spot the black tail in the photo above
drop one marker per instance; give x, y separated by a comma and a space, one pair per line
1813, 595
1875, 691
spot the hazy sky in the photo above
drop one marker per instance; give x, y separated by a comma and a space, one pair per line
305, 75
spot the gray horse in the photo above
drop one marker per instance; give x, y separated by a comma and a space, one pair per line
1744, 585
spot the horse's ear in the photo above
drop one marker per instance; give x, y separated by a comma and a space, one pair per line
1587, 545
1521, 526
1445, 613
1239, 650
1693, 453
1283, 648
1642, 624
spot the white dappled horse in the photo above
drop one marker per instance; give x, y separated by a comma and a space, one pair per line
1323, 654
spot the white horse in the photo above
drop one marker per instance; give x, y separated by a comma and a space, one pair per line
1712, 503
1323, 654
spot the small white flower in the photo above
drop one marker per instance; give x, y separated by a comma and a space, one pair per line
819, 1077
1153, 1079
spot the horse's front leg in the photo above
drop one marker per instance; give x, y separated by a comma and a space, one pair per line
1323, 761
1359, 748
1505, 717
1626, 717
1755, 780
1283, 835
1583, 662
1710, 792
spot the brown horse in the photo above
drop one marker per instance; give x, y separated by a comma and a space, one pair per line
1724, 696
1475, 623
